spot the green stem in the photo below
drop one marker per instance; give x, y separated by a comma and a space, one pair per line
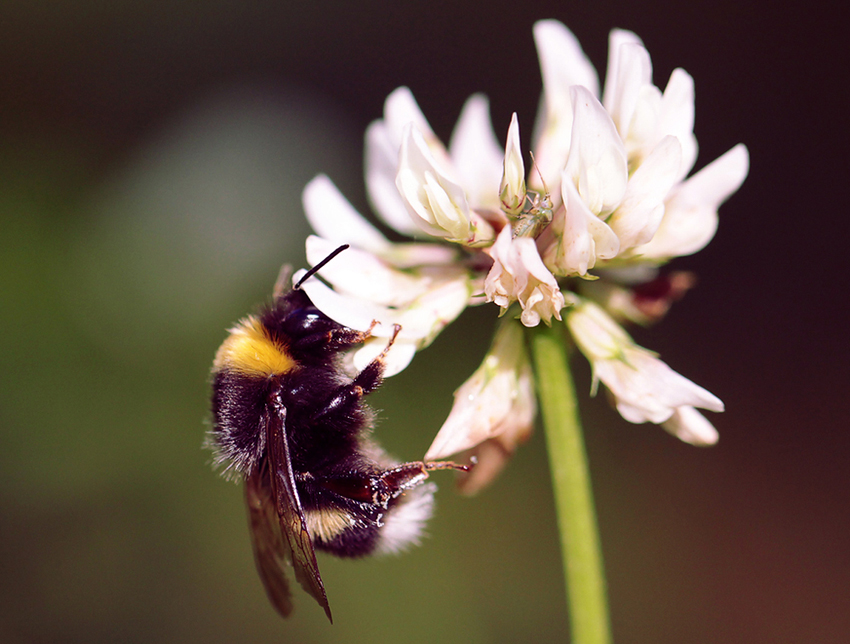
582, 557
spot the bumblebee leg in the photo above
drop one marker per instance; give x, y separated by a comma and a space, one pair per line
348, 396
372, 374
393, 482
334, 338
345, 337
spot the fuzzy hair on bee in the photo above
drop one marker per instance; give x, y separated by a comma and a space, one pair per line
290, 422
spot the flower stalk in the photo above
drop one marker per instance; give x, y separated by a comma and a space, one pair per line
582, 559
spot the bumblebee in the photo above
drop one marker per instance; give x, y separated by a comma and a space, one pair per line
288, 420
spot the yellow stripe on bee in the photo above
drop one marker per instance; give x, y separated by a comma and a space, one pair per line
250, 351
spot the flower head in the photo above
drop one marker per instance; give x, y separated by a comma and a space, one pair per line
581, 233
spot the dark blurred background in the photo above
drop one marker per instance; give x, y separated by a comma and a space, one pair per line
152, 156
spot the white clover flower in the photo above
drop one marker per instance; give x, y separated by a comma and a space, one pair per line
518, 274
644, 388
493, 410
605, 203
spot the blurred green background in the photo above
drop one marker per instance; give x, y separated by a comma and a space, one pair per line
152, 156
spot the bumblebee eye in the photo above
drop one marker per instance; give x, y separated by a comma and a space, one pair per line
306, 321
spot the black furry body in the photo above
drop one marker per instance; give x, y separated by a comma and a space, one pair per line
325, 418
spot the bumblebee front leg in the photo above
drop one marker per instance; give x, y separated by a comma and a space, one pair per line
328, 336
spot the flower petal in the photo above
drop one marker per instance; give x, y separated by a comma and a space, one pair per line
597, 163
363, 275
512, 189
496, 401
421, 319
629, 70
562, 65
646, 389
519, 275
690, 218
334, 218
676, 117
383, 141
582, 238
397, 359
349, 311
639, 214
476, 154
400, 110
435, 202
643, 387
689, 425
381, 168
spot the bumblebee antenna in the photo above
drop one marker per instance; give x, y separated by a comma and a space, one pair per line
319, 266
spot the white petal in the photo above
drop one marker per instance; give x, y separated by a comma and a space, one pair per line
421, 321
430, 313
407, 255
646, 389
632, 70
596, 333
542, 299
496, 401
401, 109
518, 274
690, 218
639, 214
381, 169
476, 154
585, 237
676, 116
613, 77
334, 218
597, 162
435, 202
399, 356
352, 312
717, 181
562, 65
383, 141
512, 188
363, 275
689, 425
641, 134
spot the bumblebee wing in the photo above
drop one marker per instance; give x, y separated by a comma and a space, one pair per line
293, 525
270, 553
